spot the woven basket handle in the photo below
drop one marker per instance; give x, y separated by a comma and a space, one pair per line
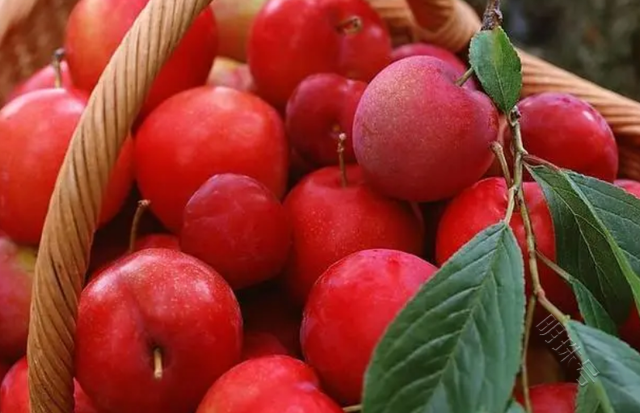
452, 23
75, 204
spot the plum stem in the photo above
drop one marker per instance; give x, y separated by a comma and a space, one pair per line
520, 199
499, 152
342, 138
466, 76
353, 409
157, 363
531, 306
135, 224
532, 159
517, 196
555, 267
350, 25
511, 204
56, 61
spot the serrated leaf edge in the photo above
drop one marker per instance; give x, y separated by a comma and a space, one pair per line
597, 384
482, 78
621, 259
501, 229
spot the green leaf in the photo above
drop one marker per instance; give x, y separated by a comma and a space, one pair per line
609, 366
456, 346
585, 247
618, 210
620, 213
592, 311
588, 400
497, 65
515, 407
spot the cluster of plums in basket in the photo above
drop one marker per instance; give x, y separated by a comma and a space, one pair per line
297, 202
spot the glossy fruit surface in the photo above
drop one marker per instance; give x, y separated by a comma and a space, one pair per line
231, 73
418, 136
44, 78
261, 344
348, 310
553, 397
203, 132
36, 130
96, 28
327, 39
319, 110
427, 49
570, 133
14, 392
331, 221
239, 227
629, 185
273, 384
156, 301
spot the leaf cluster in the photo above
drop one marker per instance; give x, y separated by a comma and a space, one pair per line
457, 346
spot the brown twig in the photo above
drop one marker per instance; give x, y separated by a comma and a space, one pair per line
527, 337
492, 16
504, 166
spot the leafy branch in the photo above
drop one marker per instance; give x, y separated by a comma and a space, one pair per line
516, 195
481, 287
491, 19
502, 80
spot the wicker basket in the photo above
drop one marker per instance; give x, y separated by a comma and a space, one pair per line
71, 221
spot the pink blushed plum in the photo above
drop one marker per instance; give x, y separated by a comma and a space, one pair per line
420, 137
426, 49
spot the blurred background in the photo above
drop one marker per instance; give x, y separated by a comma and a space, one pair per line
596, 39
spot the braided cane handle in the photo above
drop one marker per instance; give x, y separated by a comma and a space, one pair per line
75, 204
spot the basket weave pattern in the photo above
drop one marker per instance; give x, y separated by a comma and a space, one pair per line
73, 212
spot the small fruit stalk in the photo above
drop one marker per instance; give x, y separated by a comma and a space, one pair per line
513, 167
506, 101
56, 74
